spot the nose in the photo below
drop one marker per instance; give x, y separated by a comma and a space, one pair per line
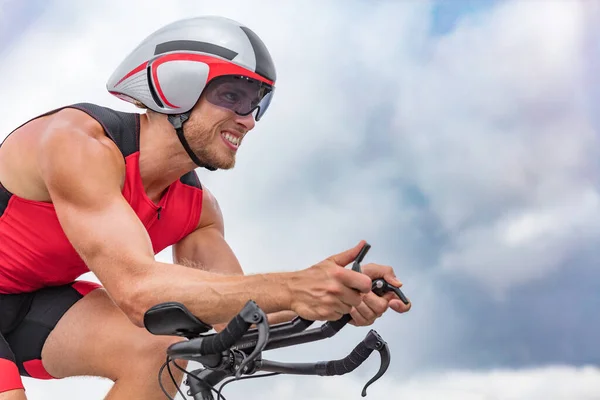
247, 121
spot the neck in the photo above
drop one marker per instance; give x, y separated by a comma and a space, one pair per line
163, 159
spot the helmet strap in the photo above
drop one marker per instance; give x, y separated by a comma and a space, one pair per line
177, 121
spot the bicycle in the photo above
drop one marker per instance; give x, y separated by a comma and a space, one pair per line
237, 350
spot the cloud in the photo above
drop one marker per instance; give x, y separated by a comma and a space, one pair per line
492, 129
549, 383
468, 160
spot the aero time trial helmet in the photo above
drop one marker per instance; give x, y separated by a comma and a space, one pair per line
170, 69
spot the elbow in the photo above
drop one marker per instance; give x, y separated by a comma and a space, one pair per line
132, 289
134, 301
132, 309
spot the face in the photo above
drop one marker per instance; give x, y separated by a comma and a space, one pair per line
215, 133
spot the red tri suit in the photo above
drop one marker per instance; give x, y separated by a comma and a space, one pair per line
34, 251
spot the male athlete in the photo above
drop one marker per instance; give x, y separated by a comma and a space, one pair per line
86, 188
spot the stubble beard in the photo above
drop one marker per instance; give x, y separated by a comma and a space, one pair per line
207, 147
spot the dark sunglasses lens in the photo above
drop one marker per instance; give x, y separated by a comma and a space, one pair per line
264, 105
239, 94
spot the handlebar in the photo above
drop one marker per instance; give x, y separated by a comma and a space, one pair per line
360, 354
213, 345
237, 350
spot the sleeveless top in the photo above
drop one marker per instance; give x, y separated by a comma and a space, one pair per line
34, 250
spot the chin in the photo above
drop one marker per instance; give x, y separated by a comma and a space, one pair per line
218, 159
230, 165
224, 164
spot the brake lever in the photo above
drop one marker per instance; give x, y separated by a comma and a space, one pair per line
361, 255
381, 286
375, 342
259, 318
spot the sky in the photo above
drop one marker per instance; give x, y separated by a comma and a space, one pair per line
460, 138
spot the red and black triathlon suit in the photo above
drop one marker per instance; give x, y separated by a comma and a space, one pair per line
39, 267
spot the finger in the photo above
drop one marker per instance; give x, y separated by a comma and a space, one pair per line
393, 299
378, 305
399, 306
354, 280
365, 312
342, 308
349, 296
375, 271
332, 312
358, 319
346, 257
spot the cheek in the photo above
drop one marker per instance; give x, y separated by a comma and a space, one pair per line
216, 119
208, 115
211, 120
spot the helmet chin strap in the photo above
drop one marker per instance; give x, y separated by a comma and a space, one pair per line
177, 122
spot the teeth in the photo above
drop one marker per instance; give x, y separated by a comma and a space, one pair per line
234, 140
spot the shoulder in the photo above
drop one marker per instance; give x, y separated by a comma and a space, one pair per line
72, 129
72, 120
72, 140
201, 192
88, 119
211, 215
99, 123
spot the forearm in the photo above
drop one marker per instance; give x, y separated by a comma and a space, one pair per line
281, 316
234, 269
214, 298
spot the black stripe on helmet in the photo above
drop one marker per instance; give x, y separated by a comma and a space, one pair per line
152, 88
192, 45
264, 63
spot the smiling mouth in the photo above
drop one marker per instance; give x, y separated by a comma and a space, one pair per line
231, 140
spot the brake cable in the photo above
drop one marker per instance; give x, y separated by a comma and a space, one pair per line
186, 372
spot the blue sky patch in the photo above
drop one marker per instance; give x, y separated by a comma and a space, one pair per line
447, 13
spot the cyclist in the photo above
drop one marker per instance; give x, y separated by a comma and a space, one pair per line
87, 188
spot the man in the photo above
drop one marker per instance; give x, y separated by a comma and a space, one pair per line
85, 188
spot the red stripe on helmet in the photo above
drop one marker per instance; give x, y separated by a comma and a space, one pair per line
155, 66
133, 72
217, 67
220, 67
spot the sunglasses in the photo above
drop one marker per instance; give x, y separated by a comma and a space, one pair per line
240, 94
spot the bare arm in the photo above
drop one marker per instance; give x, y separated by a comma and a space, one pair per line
85, 189
207, 249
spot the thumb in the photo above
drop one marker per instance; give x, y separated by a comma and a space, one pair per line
346, 257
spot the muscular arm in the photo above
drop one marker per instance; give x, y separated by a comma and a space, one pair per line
85, 189
206, 249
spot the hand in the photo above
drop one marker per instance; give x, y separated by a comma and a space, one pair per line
326, 291
373, 306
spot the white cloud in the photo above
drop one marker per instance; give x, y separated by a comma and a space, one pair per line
549, 383
487, 123
494, 129
528, 243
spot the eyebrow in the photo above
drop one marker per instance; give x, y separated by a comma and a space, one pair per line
235, 90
